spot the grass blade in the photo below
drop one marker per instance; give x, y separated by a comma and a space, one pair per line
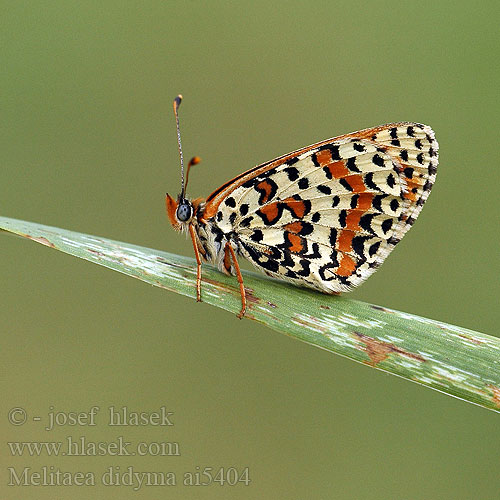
447, 358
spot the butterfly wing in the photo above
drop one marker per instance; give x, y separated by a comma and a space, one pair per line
327, 216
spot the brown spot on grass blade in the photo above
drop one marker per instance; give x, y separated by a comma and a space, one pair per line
471, 339
378, 350
378, 308
249, 293
96, 252
496, 394
40, 239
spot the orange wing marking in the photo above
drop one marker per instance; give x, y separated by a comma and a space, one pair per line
297, 207
352, 220
365, 201
266, 188
345, 240
356, 182
296, 242
347, 266
294, 227
270, 212
338, 169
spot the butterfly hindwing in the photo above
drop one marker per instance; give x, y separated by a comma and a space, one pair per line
328, 215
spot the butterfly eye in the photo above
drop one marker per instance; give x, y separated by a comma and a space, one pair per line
184, 211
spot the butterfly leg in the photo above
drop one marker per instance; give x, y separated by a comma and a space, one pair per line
240, 280
198, 262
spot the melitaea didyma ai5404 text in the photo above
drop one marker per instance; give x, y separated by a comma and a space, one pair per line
325, 216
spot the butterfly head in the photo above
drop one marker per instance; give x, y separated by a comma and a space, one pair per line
181, 212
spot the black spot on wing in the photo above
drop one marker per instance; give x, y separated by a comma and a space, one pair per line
249, 183
354, 200
316, 217
365, 222
369, 182
315, 161
269, 264
358, 245
303, 183
386, 225
306, 229
351, 164
333, 237
246, 222
408, 171
377, 202
292, 173
374, 249
378, 160
394, 204
391, 181
257, 235
327, 172
342, 218
230, 202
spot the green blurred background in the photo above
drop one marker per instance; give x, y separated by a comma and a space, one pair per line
88, 143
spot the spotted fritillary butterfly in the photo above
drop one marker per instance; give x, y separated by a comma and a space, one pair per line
325, 216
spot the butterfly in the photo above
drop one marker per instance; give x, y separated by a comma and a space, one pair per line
325, 216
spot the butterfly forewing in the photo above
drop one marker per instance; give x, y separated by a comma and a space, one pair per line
328, 215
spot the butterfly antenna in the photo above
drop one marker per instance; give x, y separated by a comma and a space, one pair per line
177, 103
193, 161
